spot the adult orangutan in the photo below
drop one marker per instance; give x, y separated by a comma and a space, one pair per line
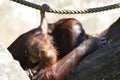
71, 37
40, 52
41, 49
37, 48
63, 67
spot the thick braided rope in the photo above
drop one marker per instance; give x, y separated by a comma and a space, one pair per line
46, 8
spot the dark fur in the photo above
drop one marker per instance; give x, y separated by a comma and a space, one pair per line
65, 39
18, 49
66, 36
112, 33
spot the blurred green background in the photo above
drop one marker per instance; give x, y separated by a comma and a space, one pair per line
16, 19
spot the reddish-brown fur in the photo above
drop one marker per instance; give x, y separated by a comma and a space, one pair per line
45, 48
38, 45
68, 34
18, 48
63, 67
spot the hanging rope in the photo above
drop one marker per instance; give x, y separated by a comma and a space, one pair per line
46, 8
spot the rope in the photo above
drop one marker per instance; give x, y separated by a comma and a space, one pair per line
46, 8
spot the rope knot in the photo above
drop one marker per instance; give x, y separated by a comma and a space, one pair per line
45, 7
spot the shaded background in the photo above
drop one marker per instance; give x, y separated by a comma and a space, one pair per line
16, 19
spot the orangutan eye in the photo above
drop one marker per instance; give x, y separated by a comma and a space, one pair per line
43, 52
